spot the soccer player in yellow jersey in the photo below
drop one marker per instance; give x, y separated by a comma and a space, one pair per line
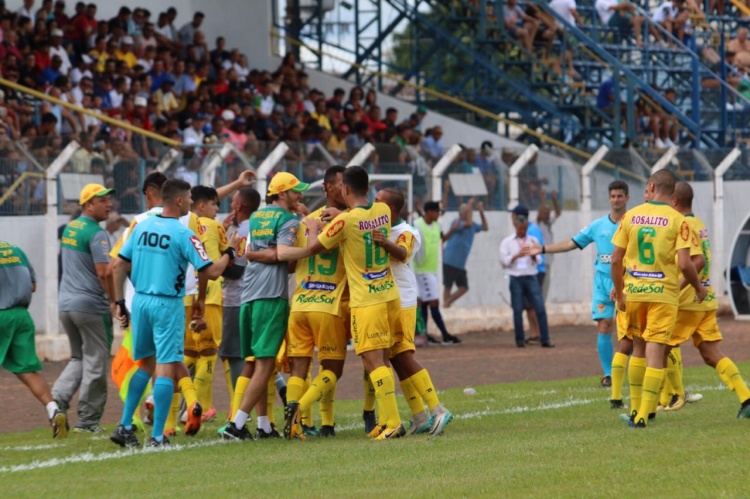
646, 286
374, 296
203, 345
415, 380
698, 320
318, 311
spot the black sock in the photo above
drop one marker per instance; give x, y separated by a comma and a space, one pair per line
438, 318
425, 315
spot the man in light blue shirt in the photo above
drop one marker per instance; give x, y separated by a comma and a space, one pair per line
458, 242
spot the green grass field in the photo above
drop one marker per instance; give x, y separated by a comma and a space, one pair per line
529, 439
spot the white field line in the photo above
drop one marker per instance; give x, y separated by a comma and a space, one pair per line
30, 447
89, 457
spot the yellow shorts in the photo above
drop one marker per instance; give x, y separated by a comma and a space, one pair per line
372, 326
209, 338
622, 326
701, 326
403, 336
308, 330
652, 322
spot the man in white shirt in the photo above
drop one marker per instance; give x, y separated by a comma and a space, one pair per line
622, 15
56, 48
521, 269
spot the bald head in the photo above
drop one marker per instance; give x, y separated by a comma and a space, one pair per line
683, 195
663, 182
395, 198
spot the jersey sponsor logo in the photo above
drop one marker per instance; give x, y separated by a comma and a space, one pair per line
646, 275
375, 223
201, 229
600, 307
266, 214
318, 286
703, 233
335, 228
199, 248
69, 241
379, 288
649, 220
644, 289
684, 231
10, 260
706, 283
262, 233
371, 276
155, 240
605, 258
242, 246
265, 224
302, 298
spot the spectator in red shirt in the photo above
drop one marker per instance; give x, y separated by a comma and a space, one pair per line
9, 45
139, 110
60, 17
82, 28
372, 118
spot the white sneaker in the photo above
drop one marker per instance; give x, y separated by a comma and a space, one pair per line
692, 397
659, 144
669, 143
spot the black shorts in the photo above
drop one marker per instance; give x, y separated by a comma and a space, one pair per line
453, 275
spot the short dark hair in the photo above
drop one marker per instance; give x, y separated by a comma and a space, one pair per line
391, 110
173, 188
330, 175
357, 179
203, 193
154, 179
683, 192
663, 181
618, 185
199, 14
432, 206
250, 198
49, 118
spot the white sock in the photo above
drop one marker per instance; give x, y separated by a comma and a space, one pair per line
240, 418
263, 424
51, 408
437, 410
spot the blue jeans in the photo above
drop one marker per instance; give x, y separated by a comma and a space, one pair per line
527, 287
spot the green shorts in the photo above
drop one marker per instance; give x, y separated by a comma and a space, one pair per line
263, 327
17, 344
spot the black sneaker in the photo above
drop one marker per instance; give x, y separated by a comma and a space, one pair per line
274, 432
606, 382
292, 420
616, 404
261, 435
124, 438
164, 443
370, 421
450, 340
548, 345
431, 340
327, 431
231, 432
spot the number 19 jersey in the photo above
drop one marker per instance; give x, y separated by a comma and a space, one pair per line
651, 234
368, 269
320, 279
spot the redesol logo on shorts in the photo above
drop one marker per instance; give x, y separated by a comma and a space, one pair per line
335, 228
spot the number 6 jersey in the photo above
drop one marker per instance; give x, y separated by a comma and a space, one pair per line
368, 269
651, 234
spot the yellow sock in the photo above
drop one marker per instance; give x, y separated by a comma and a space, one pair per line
295, 388
323, 383
665, 392
651, 382
412, 397
326, 407
271, 399
619, 362
204, 380
187, 388
189, 362
729, 373
369, 404
424, 387
171, 423
636, 371
674, 372
239, 391
385, 394
306, 417
228, 380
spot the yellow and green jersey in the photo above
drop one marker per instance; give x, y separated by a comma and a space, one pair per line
699, 245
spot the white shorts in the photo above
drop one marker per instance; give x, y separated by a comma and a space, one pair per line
428, 286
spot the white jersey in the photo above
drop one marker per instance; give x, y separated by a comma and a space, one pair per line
402, 272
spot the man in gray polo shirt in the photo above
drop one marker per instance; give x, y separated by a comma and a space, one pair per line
85, 304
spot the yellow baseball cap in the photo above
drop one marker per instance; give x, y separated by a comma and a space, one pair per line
93, 191
284, 181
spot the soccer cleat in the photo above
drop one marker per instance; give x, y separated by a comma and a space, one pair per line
370, 422
231, 432
692, 398
676, 403
159, 444
59, 423
261, 434
419, 426
744, 410
439, 421
450, 340
631, 423
389, 433
327, 431
94, 428
124, 438
209, 415
149, 405
193, 424
292, 420
376, 431
310, 431
274, 431
606, 382
616, 404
